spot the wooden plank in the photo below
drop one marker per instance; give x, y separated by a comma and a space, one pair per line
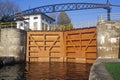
91, 55
86, 42
90, 40
35, 43
54, 42
74, 42
73, 45
62, 52
56, 59
27, 50
74, 36
87, 36
71, 54
51, 37
44, 42
88, 30
80, 60
39, 43
65, 47
71, 59
37, 37
90, 61
43, 59
56, 55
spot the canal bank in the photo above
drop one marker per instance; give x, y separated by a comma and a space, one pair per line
98, 70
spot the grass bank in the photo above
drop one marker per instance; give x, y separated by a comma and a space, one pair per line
114, 69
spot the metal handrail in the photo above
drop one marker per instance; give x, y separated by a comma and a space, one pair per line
114, 16
85, 24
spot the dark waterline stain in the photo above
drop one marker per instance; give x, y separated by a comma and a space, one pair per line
45, 71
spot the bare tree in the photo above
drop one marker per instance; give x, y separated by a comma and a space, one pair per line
8, 8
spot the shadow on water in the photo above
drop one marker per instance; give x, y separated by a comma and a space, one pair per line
12, 72
45, 71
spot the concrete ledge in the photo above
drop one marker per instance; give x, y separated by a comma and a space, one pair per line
98, 71
1, 63
9, 60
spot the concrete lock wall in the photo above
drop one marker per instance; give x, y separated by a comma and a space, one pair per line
13, 44
108, 39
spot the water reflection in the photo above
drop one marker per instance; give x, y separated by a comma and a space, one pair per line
12, 72
45, 71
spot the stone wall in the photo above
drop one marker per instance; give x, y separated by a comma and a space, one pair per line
108, 39
13, 43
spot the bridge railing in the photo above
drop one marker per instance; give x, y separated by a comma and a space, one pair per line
113, 16
85, 24
63, 27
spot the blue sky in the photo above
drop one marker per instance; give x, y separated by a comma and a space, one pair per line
75, 16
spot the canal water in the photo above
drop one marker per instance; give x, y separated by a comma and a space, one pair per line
45, 71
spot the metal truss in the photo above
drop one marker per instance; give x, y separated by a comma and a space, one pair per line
65, 7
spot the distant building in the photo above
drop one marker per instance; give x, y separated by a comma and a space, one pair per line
35, 22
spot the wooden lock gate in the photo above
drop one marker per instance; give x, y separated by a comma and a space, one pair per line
69, 46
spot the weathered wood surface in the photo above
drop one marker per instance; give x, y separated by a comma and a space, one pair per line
69, 46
